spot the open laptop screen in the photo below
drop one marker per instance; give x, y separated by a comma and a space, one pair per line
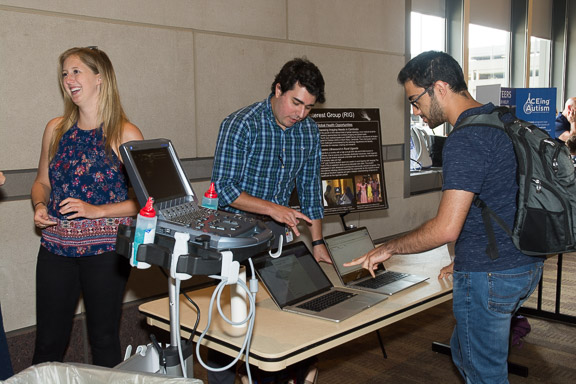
292, 277
348, 245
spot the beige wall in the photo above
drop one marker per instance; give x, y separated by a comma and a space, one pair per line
182, 66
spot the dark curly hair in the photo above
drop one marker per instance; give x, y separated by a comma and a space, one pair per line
303, 72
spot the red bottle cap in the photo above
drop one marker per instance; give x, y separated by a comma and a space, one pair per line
148, 209
211, 192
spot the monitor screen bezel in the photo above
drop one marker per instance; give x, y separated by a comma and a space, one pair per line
129, 149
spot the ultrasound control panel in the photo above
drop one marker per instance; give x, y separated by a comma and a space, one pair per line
227, 230
206, 219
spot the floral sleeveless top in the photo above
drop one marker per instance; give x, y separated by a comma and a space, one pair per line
81, 169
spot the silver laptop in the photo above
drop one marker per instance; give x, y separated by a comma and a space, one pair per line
297, 284
351, 244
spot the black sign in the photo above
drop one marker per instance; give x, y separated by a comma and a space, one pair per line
352, 170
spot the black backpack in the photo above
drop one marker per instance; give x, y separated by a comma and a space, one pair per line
546, 201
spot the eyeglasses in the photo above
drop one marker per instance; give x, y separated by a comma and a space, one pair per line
413, 102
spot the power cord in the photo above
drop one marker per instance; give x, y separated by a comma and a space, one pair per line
250, 317
191, 301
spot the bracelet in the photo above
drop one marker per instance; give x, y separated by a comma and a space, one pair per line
318, 242
40, 202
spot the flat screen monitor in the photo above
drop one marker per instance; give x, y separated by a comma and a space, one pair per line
155, 170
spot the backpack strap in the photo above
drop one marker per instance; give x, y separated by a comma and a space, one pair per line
487, 215
493, 119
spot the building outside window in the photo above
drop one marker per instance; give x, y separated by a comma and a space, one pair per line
539, 62
488, 57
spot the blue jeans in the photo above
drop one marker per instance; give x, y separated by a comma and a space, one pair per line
484, 303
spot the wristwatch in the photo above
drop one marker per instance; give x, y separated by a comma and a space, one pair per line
318, 242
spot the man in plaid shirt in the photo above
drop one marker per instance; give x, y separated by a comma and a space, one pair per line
267, 148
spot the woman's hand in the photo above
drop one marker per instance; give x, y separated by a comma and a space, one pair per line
41, 217
75, 208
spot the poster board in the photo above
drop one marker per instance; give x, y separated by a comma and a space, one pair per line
536, 105
352, 170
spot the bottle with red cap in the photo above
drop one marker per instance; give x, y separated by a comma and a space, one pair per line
145, 231
210, 199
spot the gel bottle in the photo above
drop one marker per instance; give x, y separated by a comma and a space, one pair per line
145, 232
210, 199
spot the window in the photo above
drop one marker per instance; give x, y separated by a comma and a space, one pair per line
539, 62
427, 34
489, 54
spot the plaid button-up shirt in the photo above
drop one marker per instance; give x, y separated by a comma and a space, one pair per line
256, 156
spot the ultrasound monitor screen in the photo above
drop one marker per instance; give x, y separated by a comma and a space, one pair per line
158, 173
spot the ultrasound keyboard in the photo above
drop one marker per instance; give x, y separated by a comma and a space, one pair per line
226, 230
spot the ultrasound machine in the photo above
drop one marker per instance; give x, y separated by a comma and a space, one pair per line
155, 171
190, 240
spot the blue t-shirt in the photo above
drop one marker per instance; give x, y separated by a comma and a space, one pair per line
481, 160
561, 124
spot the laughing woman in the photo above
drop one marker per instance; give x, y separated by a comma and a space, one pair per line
80, 196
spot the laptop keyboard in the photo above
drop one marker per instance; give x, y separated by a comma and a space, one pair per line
382, 279
326, 301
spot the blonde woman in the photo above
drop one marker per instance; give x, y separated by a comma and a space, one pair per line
80, 196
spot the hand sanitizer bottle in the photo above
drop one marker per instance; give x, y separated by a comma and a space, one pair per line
210, 199
145, 232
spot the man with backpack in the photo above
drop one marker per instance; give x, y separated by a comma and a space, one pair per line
477, 160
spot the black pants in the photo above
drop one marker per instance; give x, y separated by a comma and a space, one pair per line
101, 279
5, 363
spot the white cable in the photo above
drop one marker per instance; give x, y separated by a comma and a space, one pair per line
250, 317
179, 339
180, 248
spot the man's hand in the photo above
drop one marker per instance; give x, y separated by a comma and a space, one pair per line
370, 260
321, 254
288, 216
446, 271
279, 213
571, 115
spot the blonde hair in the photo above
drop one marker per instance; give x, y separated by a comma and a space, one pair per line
110, 112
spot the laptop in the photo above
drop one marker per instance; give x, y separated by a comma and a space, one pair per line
351, 244
297, 284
